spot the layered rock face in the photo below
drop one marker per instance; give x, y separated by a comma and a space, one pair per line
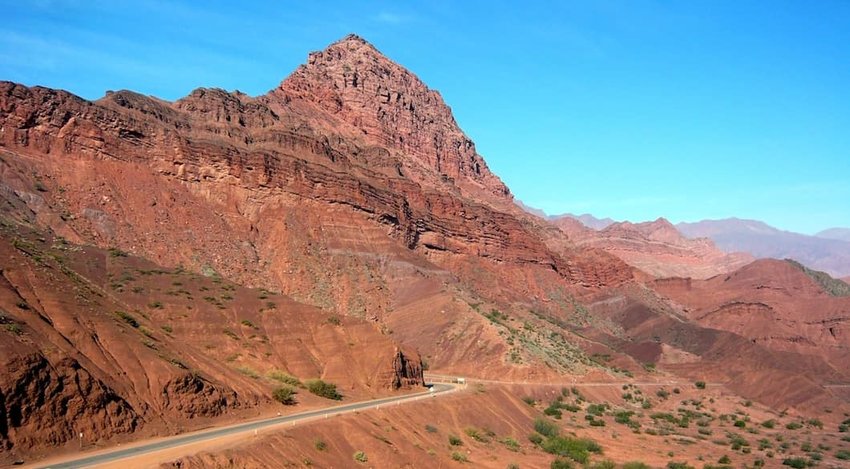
391, 107
656, 248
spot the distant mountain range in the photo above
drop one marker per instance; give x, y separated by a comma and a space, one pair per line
827, 251
835, 233
586, 219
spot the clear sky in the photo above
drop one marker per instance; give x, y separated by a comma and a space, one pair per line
631, 109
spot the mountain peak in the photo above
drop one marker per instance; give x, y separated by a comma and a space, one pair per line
385, 104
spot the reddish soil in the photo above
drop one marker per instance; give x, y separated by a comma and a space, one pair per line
100, 343
702, 428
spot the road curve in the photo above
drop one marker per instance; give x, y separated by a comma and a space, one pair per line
205, 435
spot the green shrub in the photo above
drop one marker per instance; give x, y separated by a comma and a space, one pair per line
796, 463
477, 435
769, 423
678, 465
459, 457
128, 318
284, 378
511, 444
455, 440
597, 409
577, 449
553, 412
561, 463
700, 384
724, 459
167, 328
529, 400
430, 429
323, 389
360, 456
794, 426
285, 395
843, 455
535, 438
606, 464
635, 465
249, 372
320, 445
545, 427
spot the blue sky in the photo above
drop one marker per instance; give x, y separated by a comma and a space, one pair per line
631, 109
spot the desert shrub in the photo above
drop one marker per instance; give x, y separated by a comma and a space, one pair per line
167, 328
815, 423
545, 427
284, 394
323, 389
796, 463
577, 449
128, 318
606, 464
662, 393
430, 429
334, 320
843, 455
740, 423
535, 438
700, 384
678, 465
561, 463
249, 372
320, 445
529, 400
477, 435
635, 465
284, 378
724, 459
794, 425
459, 457
360, 456
511, 444
553, 411
769, 423
597, 409
623, 416
455, 440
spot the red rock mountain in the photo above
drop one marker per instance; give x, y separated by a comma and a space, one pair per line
341, 219
386, 105
656, 248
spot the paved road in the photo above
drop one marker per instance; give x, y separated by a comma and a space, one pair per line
577, 383
206, 435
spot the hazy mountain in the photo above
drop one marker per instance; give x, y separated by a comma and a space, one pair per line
835, 233
762, 240
587, 220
